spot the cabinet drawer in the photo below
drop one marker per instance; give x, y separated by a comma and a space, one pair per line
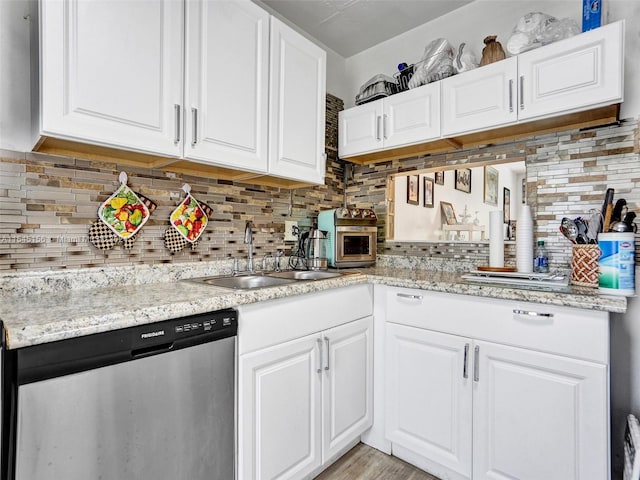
272, 322
572, 332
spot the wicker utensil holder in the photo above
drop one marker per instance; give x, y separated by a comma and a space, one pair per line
584, 265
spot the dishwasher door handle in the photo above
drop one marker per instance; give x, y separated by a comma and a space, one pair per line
155, 349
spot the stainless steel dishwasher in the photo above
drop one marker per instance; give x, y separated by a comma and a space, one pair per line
147, 402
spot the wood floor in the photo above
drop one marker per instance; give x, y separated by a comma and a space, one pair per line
365, 463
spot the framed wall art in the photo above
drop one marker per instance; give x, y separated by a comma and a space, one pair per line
440, 178
413, 189
428, 192
448, 213
463, 180
506, 204
491, 186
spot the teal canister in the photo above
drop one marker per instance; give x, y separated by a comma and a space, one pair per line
616, 266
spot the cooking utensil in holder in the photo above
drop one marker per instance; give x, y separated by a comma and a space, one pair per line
584, 265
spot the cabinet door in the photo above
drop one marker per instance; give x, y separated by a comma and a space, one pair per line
279, 417
226, 93
360, 129
297, 106
479, 99
428, 397
111, 73
537, 415
348, 384
412, 116
581, 72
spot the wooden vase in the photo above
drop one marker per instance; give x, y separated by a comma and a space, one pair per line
492, 52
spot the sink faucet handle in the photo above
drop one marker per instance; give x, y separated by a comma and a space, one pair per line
279, 255
264, 260
235, 266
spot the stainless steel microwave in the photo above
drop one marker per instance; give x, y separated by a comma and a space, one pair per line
351, 236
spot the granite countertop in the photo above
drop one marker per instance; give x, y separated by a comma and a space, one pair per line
31, 317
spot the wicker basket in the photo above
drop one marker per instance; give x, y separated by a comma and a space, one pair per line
584, 265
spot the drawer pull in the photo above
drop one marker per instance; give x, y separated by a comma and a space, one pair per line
194, 119
476, 364
465, 374
408, 295
326, 341
176, 139
319, 369
532, 314
511, 96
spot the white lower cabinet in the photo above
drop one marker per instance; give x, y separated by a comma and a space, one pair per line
537, 415
303, 401
281, 408
427, 397
488, 389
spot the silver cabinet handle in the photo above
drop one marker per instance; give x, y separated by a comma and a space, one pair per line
511, 95
176, 139
521, 92
476, 363
326, 342
378, 120
384, 126
194, 119
465, 374
408, 295
319, 369
532, 313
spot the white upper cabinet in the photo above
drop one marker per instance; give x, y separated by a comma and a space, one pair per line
360, 129
254, 90
297, 105
403, 119
576, 73
411, 116
111, 73
481, 98
581, 72
226, 88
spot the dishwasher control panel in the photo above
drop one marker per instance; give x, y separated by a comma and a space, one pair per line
208, 324
219, 323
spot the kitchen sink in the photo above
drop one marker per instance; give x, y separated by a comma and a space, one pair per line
265, 280
245, 282
305, 274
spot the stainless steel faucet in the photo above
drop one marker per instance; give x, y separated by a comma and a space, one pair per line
248, 239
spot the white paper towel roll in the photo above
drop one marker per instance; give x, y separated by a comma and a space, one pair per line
496, 239
524, 241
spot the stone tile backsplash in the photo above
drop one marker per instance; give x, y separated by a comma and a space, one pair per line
48, 202
567, 175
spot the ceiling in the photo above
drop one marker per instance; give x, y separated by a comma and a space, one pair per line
351, 26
